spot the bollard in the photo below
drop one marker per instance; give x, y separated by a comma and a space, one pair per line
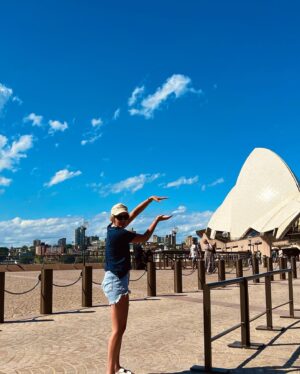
270, 267
282, 266
207, 328
87, 286
265, 263
255, 268
133, 262
2, 287
221, 270
239, 268
46, 291
201, 274
178, 277
294, 267
151, 279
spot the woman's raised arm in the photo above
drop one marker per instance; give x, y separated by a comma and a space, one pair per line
139, 208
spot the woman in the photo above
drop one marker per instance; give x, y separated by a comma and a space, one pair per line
117, 266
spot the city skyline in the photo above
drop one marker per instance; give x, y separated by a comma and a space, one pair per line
111, 102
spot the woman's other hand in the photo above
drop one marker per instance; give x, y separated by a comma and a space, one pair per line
163, 218
157, 198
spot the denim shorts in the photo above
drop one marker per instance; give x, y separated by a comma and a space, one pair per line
115, 287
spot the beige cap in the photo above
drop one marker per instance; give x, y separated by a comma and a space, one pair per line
118, 209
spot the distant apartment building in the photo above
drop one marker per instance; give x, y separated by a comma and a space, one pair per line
41, 250
36, 242
80, 239
158, 239
62, 242
189, 240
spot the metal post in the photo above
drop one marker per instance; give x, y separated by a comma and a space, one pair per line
244, 300
201, 274
46, 291
239, 268
221, 270
245, 324
270, 267
294, 267
268, 293
178, 277
265, 264
87, 286
281, 266
291, 296
2, 287
207, 328
255, 268
151, 279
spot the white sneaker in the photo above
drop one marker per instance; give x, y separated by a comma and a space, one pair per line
124, 371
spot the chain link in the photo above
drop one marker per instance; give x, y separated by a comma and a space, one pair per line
67, 285
24, 292
134, 280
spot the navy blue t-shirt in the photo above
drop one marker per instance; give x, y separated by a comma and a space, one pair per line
117, 251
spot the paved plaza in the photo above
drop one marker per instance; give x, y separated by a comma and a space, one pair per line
164, 334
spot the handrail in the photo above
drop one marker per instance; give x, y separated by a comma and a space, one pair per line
245, 318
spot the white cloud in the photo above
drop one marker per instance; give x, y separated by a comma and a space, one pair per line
11, 155
181, 181
57, 126
215, 183
34, 118
186, 223
5, 95
96, 122
90, 140
17, 100
116, 114
176, 85
19, 231
61, 176
5, 181
137, 92
179, 210
131, 184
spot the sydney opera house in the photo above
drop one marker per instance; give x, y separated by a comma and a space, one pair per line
262, 210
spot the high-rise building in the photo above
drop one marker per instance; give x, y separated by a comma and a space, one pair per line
62, 242
36, 242
80, 237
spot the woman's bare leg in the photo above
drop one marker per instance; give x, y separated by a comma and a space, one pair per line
119, 314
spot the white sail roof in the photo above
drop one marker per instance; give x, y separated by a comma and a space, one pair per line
265, 197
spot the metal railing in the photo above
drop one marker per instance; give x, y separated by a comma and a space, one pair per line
244, 325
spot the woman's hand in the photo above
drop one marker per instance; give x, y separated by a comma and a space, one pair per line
157, 198
162, 218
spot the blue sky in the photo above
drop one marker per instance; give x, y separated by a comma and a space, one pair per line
102, 102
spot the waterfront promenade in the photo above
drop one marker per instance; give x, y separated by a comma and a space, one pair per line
164, 335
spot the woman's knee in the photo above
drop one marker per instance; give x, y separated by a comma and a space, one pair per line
119, 330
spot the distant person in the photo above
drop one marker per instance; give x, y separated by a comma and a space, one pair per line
194, 255
139, 257
117, 266
209, 256
258, 254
